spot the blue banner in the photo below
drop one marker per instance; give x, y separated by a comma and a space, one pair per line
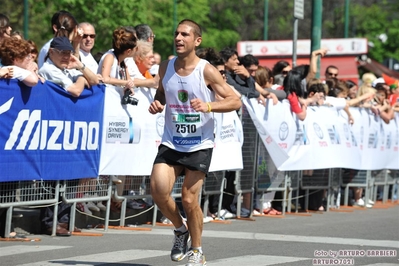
46, 134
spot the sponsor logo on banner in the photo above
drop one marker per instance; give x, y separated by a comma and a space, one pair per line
160, 123
373, 140
319, 133
389, 140
301, 137
334, 135
354, 142
122, 130
283, 131
44, 134
347, 135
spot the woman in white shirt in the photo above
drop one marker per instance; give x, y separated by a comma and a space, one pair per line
15, 55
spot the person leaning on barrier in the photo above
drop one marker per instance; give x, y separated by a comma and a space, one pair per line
239, 77
385, 110
187, 146
295, 94
263, 76
65, 69
144, 33
337, 94
16, 58
115, 71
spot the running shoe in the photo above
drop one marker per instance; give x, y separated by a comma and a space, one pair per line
195, 258
179, 249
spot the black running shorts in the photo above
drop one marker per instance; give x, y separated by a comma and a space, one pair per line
195, 161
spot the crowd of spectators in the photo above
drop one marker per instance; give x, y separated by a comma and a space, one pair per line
66, 60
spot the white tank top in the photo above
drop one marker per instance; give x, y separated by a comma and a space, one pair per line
185, 129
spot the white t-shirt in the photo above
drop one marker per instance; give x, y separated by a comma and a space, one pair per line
89, 61
43, 53
19, 73
134, 71
154, 70
339, 103
64, 78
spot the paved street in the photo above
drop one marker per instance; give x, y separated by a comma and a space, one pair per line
292, 240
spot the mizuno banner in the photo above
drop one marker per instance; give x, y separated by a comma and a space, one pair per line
46, 134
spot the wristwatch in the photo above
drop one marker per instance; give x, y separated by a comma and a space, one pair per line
82, 68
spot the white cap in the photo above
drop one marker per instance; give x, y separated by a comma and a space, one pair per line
376, 81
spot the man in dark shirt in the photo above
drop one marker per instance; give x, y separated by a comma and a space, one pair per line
238, 76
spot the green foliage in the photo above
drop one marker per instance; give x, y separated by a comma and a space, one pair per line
225, 22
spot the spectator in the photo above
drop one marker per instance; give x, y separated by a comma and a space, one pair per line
33, 50
251, 63
145, 35
281, 67
292, 86
63, 68
381, 102
86, 45
331, 72
263, 76
15, 56
63, 24
5, 28
144, 58
214, 59
17, 34
353, 88
114, 71
157, 61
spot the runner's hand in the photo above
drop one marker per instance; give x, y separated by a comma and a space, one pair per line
156, 107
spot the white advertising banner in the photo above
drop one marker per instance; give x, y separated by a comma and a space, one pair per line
131, 136
325, 139
229, 137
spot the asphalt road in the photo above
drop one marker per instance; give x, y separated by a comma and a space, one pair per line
360, 237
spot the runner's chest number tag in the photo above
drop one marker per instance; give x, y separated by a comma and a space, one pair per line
187, 129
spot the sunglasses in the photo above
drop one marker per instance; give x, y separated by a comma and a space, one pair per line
222, 72
332, 74
93, 36
284, 72
63, 52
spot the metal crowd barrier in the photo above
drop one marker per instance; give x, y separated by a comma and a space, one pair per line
361, 178
334, 198
320, 179
134, 187
214, 184
85, 190
28, 193
393, 180
293, 180
266, 183
244, 182
379, 179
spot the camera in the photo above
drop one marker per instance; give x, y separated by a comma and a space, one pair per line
129, 99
